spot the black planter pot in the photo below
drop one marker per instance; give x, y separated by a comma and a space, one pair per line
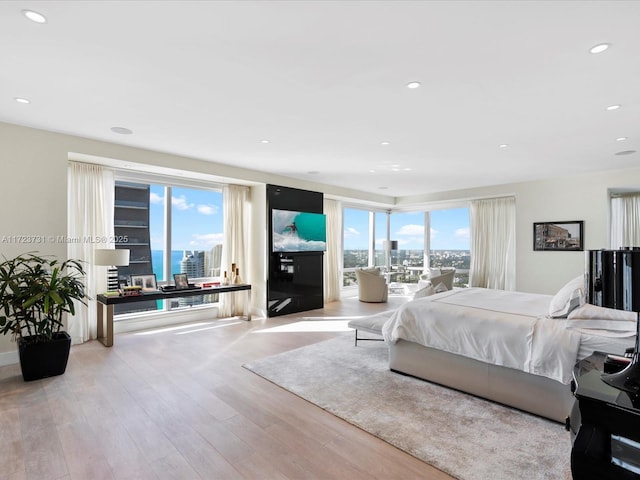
44, 359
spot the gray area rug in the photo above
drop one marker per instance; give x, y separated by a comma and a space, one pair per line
462, 435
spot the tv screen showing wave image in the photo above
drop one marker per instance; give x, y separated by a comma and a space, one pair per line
299, 231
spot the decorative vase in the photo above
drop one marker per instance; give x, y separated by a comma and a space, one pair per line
236, 279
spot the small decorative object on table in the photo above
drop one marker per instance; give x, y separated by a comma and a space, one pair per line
181, 280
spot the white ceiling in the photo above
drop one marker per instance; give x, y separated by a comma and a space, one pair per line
325, 83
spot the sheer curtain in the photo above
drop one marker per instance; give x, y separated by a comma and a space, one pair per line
333, 211
235, 205
625, 221
493, 237
90, 200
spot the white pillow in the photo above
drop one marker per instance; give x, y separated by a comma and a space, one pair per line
434, 272
568, 298
594, 312
424, 292
441, 287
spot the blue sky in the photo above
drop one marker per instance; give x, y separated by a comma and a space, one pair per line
449, 229
196, 218
197, 224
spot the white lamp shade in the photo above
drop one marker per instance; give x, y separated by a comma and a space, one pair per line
111, 257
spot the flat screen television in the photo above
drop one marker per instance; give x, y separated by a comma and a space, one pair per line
298, 231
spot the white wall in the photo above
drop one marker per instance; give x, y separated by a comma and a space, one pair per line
34, 188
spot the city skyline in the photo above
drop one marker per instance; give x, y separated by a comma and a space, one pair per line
449, 229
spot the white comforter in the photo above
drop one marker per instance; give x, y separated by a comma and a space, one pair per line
494, 326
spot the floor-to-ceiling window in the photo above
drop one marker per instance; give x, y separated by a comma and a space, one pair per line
407, 228
356, 242
180, 227
421, 239
450, 242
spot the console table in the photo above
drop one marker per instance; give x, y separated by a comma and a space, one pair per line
607, 443
106, 302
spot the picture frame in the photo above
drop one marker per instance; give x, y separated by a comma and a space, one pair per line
147, 282
564, 236
181, 281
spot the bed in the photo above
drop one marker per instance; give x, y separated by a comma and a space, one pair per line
514, 348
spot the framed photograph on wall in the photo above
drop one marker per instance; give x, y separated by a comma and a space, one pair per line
558, 236
147, 282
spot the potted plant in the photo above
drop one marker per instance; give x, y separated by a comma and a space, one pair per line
35, 293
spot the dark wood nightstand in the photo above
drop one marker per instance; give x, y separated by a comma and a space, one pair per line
606, 424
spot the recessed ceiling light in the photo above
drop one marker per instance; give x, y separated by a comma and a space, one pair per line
385, 143
621, 139
382, 188
34, 16
372, 171
22, 100
313, 172
413, 84
613, 107
503, 145
626, 152
264, 141
121, 130
407, 169
601, 47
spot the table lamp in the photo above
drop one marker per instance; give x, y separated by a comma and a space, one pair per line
111, 258
613, 281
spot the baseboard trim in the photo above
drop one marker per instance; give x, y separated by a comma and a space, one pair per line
9, 358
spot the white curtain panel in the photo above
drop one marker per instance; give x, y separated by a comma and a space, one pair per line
625, 221
493, 237
90, 216
332, 257
236, 210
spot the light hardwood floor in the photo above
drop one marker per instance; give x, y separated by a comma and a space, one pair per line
177, 404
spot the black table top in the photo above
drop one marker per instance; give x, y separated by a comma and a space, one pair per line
177, 293
587, 375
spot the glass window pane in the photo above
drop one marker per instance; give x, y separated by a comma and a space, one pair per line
450, 242
356, 243
196, 238
408, 229
380, 219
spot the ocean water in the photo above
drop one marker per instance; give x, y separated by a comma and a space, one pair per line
157, 263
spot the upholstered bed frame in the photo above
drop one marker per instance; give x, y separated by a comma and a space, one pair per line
532, 393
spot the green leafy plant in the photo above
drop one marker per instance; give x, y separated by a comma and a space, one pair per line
35, 292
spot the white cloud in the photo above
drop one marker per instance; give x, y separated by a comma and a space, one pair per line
205, 240
155, 198
411, 230
181, 203
462, 233
351, 232
208, 209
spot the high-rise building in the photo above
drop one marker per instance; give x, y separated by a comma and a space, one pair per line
192, 264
